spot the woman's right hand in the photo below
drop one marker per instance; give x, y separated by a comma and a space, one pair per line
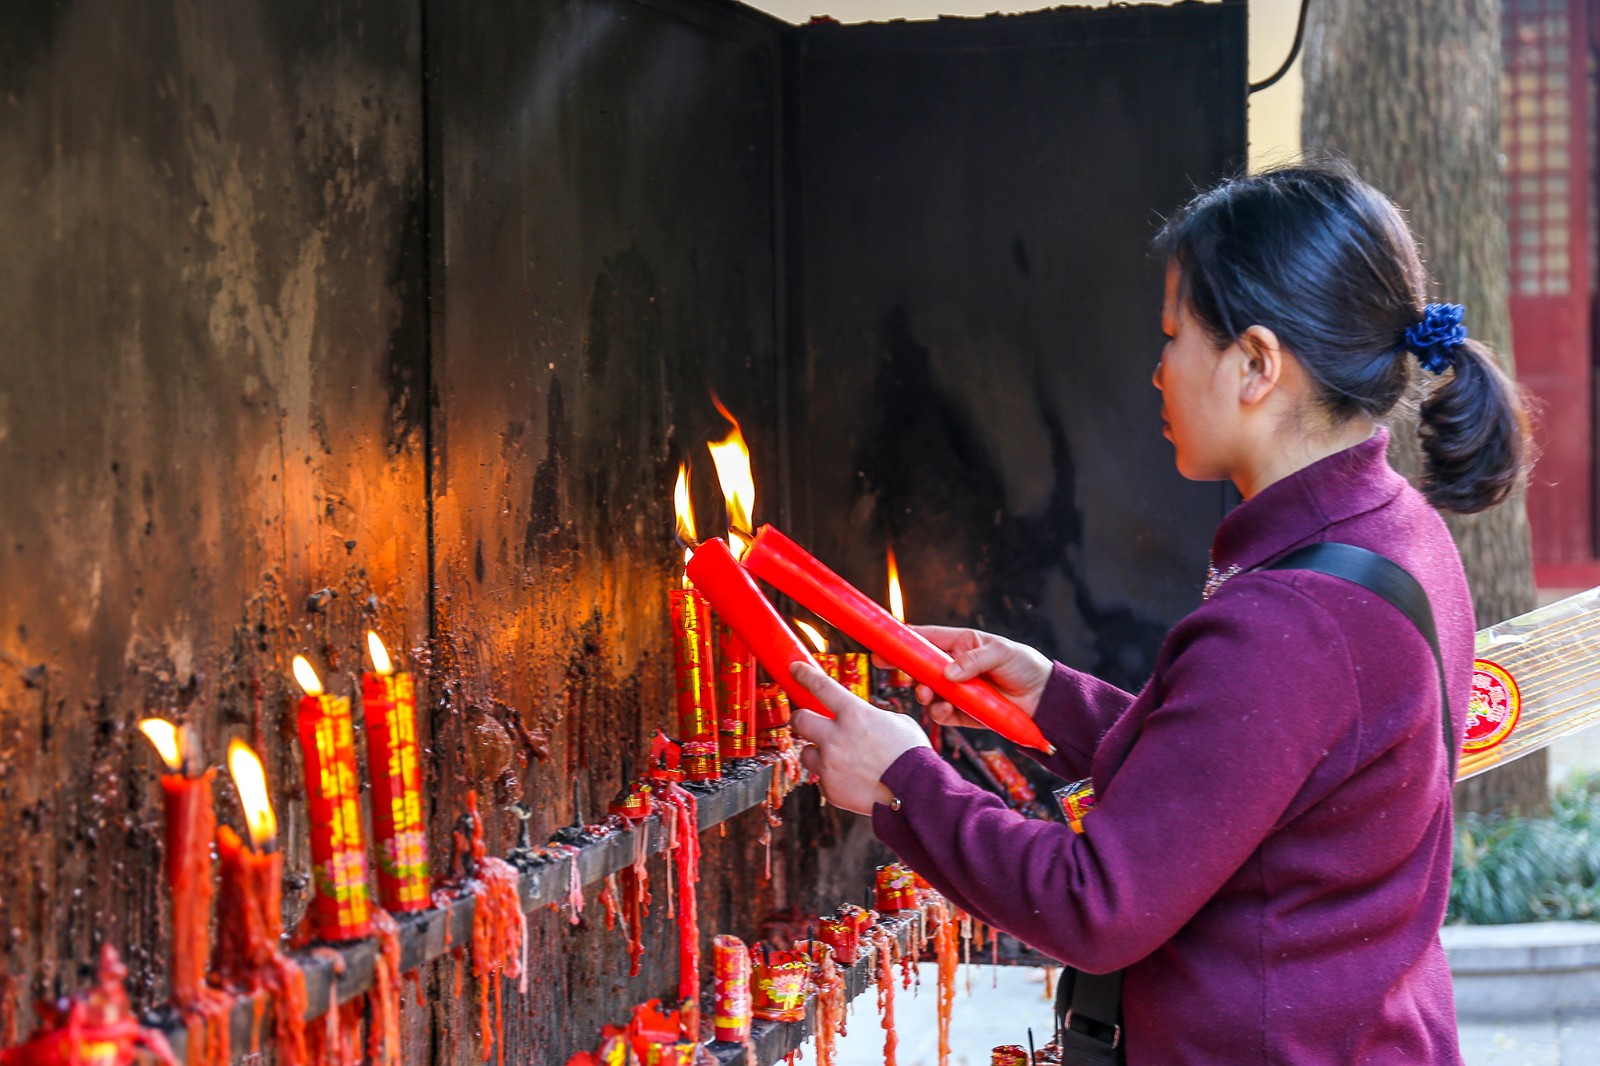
1018, 671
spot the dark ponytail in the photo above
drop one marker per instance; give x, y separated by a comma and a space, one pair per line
1325, 261
1474, 434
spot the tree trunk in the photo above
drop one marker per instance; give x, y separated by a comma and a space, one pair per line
1410, 93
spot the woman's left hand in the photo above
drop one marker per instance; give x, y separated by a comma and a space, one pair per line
851, 752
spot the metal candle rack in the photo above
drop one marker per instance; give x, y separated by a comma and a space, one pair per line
428, 935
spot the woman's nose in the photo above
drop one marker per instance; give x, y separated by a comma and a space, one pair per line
1155, 376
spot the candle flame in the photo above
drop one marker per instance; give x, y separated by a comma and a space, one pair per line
251, 781
306, 676
380, 655
817, 639
683, 508
897, 604
732, 460
164, 735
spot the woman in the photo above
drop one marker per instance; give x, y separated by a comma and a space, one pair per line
1269, 856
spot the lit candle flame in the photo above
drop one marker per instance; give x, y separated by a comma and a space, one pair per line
164, 735
683, 519
251, 781
732, 460
380, 655
817, 639
897, 605
307, 676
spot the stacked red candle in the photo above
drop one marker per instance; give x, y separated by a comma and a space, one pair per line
782, 563
780, 981
855, 673
697, 694
736, 694
730, 961
896, 889
389, 702
772, 717
340, 909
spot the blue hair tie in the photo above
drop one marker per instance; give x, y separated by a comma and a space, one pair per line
1436, 339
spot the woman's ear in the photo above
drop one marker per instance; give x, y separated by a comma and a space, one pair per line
1263, 366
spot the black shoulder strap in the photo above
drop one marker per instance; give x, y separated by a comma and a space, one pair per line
1383, 577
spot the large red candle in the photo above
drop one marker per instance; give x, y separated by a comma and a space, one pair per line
784, 565
736, 694
738, 602
697, 685
389, 702
340, 910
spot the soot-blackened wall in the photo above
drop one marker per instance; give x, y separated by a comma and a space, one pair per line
320, 316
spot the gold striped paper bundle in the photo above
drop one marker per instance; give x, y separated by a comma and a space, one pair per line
1537, 679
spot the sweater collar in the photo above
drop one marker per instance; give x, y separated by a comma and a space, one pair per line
1295, 509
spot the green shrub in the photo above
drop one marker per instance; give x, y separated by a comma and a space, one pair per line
1530, 869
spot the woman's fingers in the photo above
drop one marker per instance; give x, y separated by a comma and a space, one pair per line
977, 661
832, 695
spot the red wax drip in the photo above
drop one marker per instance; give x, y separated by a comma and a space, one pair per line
608, 900
383, 1037
945, 947
886, 946
786, 566
830, 1008
635, 905
686, 859
499, 932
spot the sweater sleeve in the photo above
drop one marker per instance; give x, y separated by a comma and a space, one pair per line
1074, 712
1249, 699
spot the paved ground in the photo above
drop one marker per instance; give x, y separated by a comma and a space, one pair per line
1002, 1005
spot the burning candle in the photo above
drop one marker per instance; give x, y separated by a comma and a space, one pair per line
898, 678
825, 659
730, 961
855, 673
250, 909
191, 822
782, 563
389, 701
734, 595
340, 909
251, 921
692, 657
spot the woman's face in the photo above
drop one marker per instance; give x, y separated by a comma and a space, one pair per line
1199, 392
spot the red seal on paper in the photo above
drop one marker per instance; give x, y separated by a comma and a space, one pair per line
1496, 706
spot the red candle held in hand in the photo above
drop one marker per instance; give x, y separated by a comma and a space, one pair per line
389, 702
340, 909
735, 598
784, 565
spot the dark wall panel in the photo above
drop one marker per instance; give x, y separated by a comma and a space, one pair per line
981, 314
210, 408
606, 180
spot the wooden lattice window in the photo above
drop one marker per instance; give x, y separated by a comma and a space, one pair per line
1536, 133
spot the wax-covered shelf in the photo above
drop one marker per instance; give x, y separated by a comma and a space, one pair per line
340, 972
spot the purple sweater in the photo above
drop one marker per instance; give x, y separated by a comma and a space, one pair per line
1270, 853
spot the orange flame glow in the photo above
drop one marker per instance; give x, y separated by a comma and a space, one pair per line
683, 508
818, 641
164, 735
732, 460
380, 655
306, 676
251, 781
897, 604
